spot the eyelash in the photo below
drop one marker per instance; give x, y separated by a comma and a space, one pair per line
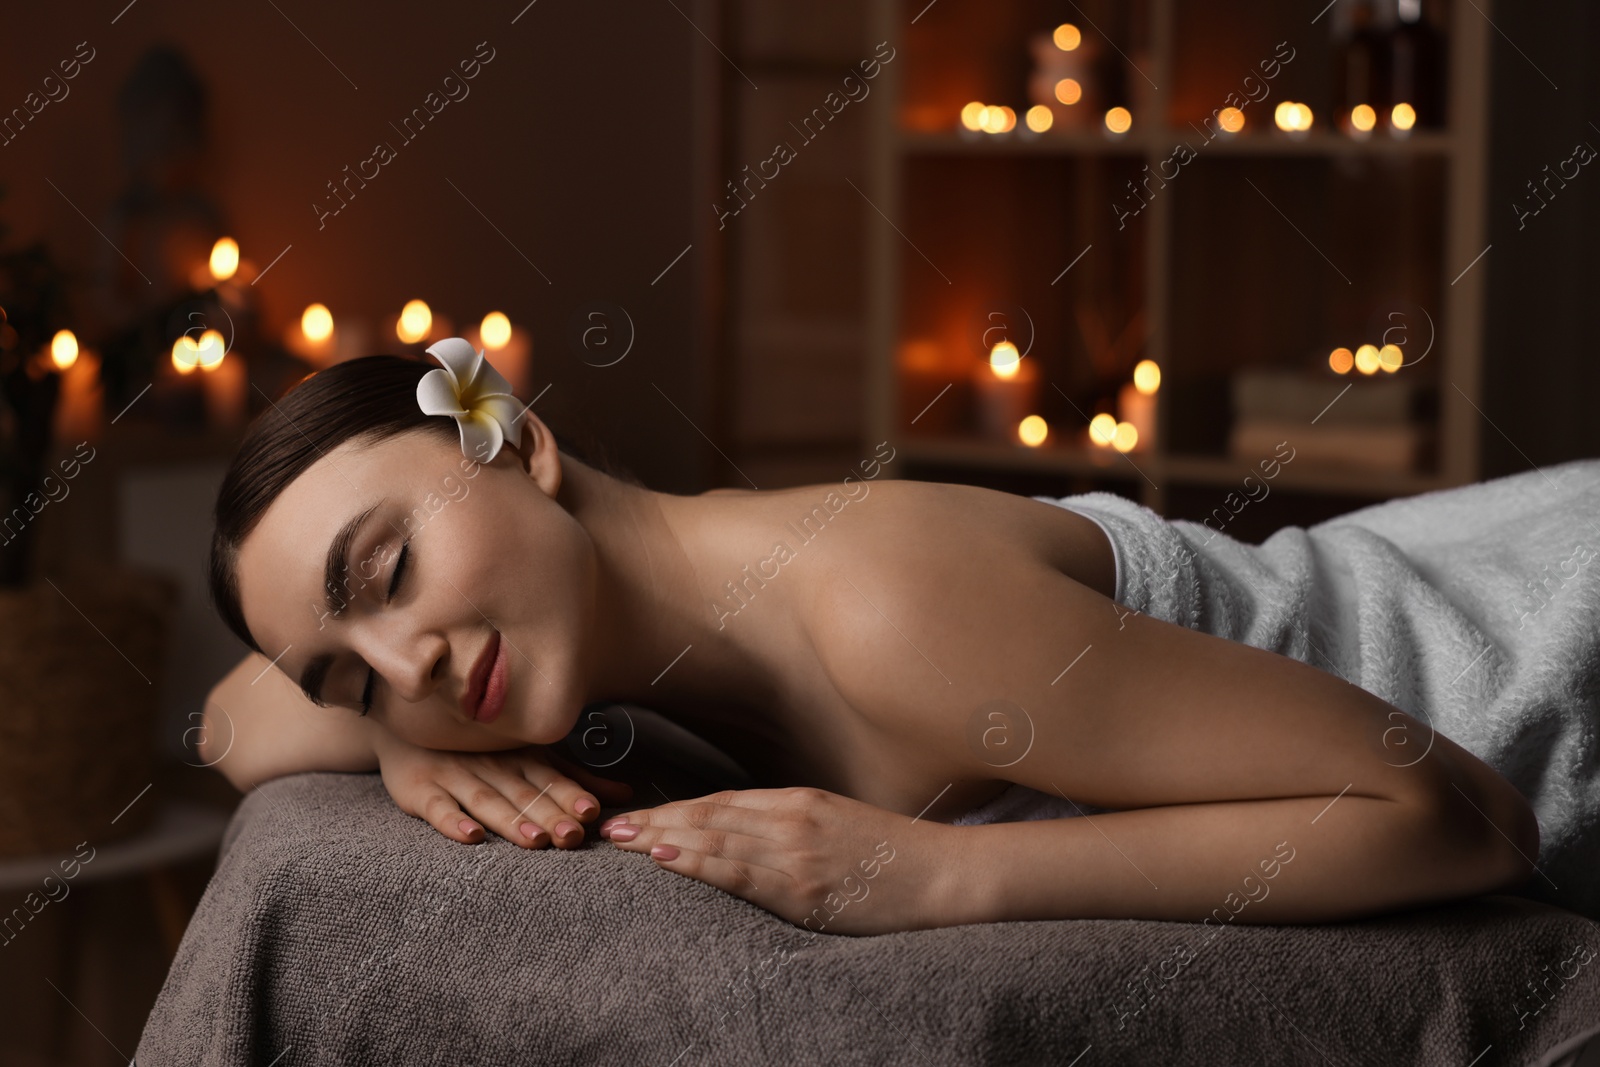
394, 585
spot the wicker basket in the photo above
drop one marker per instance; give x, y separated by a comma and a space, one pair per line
79, 694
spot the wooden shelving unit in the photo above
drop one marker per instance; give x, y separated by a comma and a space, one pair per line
1265, 250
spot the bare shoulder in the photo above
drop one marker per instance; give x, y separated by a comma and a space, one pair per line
963, 523
912, 587
931, 602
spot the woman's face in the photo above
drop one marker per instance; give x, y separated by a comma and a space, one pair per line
486, 548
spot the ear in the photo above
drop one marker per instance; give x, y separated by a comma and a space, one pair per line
538, 455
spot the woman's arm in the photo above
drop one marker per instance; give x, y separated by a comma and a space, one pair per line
1290, 860
1213, 752
258, 725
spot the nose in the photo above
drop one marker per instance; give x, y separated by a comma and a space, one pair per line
410, 658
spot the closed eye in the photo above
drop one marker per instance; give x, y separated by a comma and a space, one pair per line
394, 587
399, 568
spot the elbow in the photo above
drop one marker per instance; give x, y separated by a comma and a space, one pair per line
1509, 834
1478, 832
1491, 830
1521, 842
214, 744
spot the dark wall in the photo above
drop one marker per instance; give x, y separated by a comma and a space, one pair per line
1542, 380
575, 143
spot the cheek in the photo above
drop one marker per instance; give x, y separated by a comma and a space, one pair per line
531, 559
528, 566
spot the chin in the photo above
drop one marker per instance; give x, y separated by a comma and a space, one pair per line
561, 724
524, 725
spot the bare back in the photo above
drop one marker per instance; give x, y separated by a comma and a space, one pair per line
902, 534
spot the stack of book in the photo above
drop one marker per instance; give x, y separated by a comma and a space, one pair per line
1377, 423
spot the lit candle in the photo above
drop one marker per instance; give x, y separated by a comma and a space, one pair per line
1033, 430
64, 349
1102, 429
1006, 387
1292, 118
997, 118
1401, 118
1136, 403
226, 381
507, 348
82, 402
416, 321
224, 258
313, 338
1362, 120
185, 354
972, 119
178, 393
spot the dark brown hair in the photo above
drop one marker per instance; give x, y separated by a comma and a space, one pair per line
365, 400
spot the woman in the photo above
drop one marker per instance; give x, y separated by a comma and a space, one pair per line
892, 666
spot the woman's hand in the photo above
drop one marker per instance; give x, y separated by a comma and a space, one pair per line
818, 859
528, 796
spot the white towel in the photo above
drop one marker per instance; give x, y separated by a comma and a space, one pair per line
1474, 609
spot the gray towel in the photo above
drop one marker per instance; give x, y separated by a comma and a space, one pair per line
1475, 609
338, 930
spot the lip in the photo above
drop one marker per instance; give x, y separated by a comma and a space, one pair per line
489, 667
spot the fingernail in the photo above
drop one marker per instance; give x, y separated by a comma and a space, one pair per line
615, 820
584, 806
624, 832
530, 831
467, 826
664, 852
565, 828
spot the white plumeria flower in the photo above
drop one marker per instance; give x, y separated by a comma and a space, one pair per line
476, 395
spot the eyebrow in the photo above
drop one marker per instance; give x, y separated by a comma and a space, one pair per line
333, 569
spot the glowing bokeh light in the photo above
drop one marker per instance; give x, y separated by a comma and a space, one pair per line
64, 349
1033, 430
415, 322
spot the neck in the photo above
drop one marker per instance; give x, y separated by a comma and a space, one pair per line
655, 638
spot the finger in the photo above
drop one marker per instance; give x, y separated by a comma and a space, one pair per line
788, 798
545, 774
505, 803
705, 826
440, 810
727, 810
730, 847
760, 885
516, 805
